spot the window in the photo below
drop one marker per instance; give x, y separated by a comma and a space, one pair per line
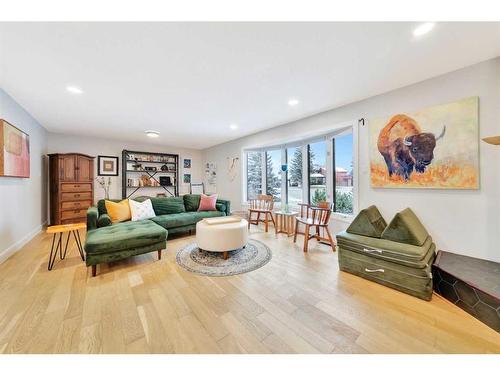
294, 177
310, 171
343, 182
317, 172
273, 174
254, 174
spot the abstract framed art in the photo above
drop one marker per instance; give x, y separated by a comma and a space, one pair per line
107, 165
14, 151
434, 148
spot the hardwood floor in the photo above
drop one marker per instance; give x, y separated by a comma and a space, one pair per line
297, 303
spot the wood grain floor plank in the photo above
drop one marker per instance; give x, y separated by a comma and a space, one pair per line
297, 303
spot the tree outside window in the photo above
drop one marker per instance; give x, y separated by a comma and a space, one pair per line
254, 174
273, 174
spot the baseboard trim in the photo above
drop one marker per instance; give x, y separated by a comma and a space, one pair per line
14, 248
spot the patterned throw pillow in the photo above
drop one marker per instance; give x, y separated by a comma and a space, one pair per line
141, 210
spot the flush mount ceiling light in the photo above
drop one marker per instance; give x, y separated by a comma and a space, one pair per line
423, 29
152, 133
293, 102
233, 126
74, 90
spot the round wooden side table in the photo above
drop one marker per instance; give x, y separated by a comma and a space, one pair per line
60, 230
285, 222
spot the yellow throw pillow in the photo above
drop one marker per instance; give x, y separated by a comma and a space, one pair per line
118, 212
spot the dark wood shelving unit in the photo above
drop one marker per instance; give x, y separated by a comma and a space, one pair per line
129, 158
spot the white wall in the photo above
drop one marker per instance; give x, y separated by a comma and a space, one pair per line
466, 222
61, 143
23, 203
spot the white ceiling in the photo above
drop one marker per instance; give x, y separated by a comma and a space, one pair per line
190, 81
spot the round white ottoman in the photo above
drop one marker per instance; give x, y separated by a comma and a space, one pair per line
222, 237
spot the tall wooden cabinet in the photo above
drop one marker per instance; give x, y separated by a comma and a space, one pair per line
71, 179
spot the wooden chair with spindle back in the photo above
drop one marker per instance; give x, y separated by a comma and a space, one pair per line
318, 218
263, 204
305, 213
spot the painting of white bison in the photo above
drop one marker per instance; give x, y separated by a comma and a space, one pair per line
435, 148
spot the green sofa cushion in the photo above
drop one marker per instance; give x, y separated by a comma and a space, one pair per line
192, 202
167, 206
124, 236
103, 221
405, 227
183, 219
221, 207
369, 222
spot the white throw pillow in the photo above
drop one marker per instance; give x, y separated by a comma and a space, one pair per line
141, 210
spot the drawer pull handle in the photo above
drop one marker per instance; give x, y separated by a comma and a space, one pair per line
375, 270
372, 251
77, 195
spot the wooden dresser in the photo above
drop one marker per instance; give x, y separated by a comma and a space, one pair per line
71, 179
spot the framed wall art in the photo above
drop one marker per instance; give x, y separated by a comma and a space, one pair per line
107, 165
14, 151
434, 148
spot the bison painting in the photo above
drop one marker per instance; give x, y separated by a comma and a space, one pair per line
405, 147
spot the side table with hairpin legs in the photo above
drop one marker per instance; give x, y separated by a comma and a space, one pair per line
57, 244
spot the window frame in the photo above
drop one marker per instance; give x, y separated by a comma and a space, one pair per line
304, 145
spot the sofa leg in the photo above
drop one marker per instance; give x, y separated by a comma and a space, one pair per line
94, 270
159, 254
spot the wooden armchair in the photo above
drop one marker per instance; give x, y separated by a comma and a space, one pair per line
318, 218
263, 205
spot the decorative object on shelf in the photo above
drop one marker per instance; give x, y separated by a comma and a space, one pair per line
137, 166
14, 151
150, 170
145, 180
495, 140
187, 178
165, 181
104, 183
107, 165
232, 169
71, 184
197, 188
187, 163
434, 148
161, 195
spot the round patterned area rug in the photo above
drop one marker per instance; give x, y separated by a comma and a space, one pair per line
253, 256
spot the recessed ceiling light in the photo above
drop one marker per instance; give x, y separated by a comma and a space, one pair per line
74, 89
423, 28
233, 126
293, 102
152, 133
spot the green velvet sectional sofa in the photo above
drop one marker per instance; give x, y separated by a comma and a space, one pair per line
107, 242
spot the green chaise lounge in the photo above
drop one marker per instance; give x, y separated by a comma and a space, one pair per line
107, 242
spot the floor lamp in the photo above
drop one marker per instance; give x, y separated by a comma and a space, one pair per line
493, 140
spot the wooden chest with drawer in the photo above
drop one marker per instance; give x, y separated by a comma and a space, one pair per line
71, 179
